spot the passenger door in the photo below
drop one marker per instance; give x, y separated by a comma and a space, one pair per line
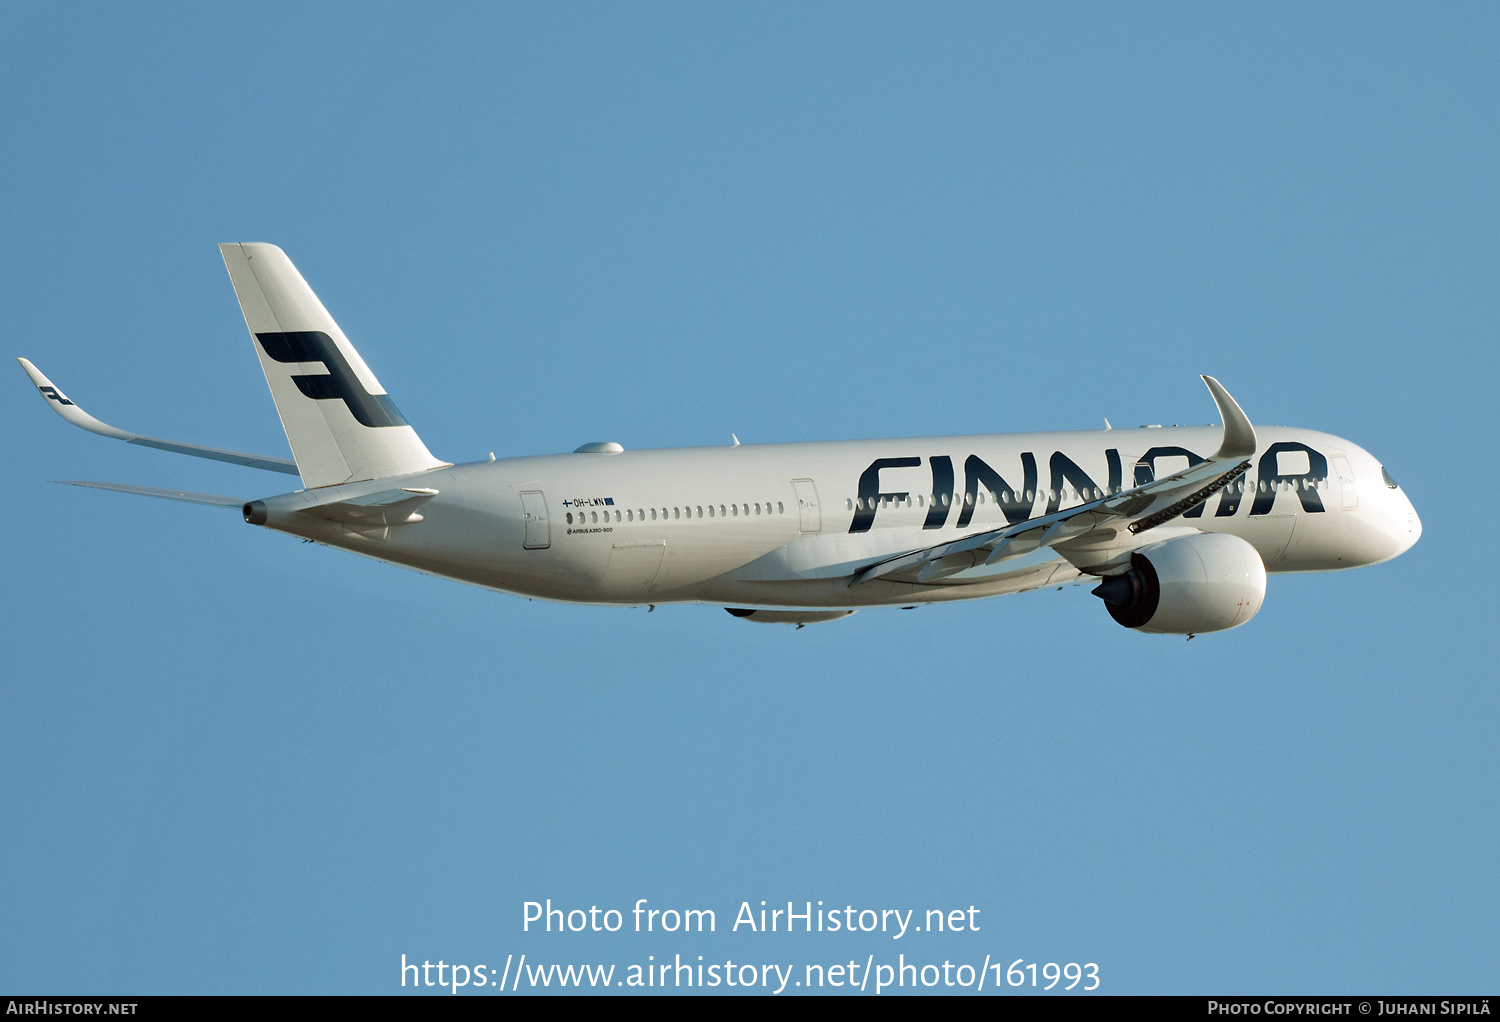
538, 530
809, 519
1348, 495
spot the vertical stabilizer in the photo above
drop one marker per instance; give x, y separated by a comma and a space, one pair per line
339, 420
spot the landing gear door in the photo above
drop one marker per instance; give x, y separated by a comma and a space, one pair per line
809, 518
538, 531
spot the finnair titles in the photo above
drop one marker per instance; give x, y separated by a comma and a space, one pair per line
1177, 526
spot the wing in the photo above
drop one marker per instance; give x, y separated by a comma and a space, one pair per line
1140, 509
60, 404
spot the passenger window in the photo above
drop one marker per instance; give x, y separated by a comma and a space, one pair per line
780, 508
628, 518
721, 510
569, 517
594, 515
757, 507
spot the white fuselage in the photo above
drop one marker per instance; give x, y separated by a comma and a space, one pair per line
797, 532
785, 525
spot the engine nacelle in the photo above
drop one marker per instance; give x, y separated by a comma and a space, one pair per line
1206, 582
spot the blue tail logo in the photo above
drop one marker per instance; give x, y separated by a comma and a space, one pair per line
340, 384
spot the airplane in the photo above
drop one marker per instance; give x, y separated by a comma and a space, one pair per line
1177, 526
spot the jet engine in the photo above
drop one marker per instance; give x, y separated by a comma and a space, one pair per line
1205, 582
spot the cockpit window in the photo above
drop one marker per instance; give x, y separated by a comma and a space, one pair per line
1387, 477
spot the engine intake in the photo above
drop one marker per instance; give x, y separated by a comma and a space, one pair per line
1206, 582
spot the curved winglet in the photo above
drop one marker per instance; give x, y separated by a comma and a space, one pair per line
1239, 435
59, 403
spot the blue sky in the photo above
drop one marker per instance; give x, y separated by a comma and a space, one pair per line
230, 762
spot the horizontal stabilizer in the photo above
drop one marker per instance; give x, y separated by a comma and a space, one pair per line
150, 491
60, 404
388, 507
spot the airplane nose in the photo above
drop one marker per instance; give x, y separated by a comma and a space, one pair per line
1413, 525
1405, 525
